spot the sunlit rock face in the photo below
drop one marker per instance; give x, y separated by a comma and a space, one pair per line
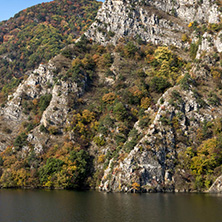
161, 22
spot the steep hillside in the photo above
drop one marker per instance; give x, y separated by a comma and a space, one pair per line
120, 111
38, 33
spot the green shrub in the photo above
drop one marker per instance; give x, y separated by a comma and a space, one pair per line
199, 99
120, 138
82, 162
20, 141
53, 130
29, 127
67, 53
51, 167
186, 82
130, 145
130, 49
107, 59
109, 73
120, 111
193, 50
159, 84
111, 34
1, 161
99, 141
43, 129
144, 121
133, 133
44, 101
213, 99
164, 120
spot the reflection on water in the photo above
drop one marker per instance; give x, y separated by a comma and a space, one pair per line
70, 206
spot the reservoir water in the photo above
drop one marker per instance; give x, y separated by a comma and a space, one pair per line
90, 206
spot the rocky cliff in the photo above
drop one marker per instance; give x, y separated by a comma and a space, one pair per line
161, 22
40, 82
152, 162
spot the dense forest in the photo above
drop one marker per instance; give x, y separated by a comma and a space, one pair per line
38, 33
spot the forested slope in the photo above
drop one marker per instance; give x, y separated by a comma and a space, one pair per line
38, 33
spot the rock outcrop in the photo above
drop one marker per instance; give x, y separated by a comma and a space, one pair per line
152, 161
160, 22
217, 186
40, 82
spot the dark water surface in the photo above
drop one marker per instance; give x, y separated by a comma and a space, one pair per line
71, 206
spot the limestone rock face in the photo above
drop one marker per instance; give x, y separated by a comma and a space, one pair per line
152, 161
210, 43
218, 42
217, 186
161, 22
33, 87
39, 82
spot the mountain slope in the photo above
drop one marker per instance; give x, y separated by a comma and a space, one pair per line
131, 116
37, 34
